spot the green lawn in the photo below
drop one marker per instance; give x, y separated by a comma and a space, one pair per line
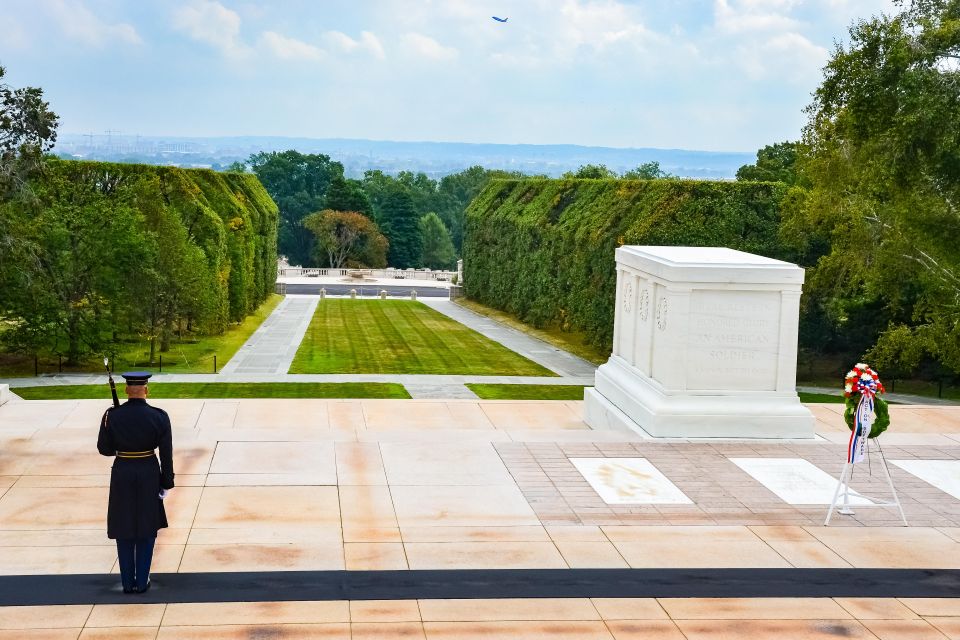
820, 397
400, 336
190, 355
161, 390
575, 392
527, 391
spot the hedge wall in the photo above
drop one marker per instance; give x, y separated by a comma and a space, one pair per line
229, 217
544, 249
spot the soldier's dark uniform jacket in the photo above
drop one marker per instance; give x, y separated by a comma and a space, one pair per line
133, 430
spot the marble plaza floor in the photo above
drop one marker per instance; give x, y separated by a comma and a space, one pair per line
446, 486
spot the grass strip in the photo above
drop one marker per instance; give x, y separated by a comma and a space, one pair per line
575, 392
820, 397
190, 355
527, 391
571, 341
400, 337
201, 390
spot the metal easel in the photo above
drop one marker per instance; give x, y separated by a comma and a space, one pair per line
843, 486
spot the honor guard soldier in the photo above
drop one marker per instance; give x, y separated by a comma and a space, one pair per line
135, 433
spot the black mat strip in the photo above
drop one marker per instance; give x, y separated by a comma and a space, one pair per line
504, 583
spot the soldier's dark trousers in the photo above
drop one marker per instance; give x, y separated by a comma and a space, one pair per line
135, 555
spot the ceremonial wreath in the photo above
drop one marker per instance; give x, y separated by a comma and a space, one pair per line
867, 414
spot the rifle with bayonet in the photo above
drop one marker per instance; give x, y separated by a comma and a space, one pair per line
113, 387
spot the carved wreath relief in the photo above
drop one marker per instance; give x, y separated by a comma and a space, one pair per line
662, 314
643, 305
627, 297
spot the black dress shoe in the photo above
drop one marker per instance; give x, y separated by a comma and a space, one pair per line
130, 590
145, 588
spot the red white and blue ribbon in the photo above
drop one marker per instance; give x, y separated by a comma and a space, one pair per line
863, 380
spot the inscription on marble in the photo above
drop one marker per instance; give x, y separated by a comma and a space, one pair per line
733, 341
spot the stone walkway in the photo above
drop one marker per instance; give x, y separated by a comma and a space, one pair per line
560, 362
451, 485
274, 344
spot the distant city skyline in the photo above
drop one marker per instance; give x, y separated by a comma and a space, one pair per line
714, 75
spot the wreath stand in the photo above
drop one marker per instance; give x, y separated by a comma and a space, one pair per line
843, 487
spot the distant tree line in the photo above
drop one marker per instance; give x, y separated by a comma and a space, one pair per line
417, 221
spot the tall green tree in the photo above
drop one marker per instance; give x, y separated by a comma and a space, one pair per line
171, 281
438, 251
346, 194
881, 151
28, 129
298, 183
400, 223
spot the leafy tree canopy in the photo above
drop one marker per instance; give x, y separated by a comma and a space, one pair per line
347, 239
647, 171
775, 163
28, 129
881, 152
401, 219
595, 171
298, 183
438, 252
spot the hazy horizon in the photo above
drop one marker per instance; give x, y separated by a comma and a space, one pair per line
711, 75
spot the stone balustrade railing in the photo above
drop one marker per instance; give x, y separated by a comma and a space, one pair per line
390, 273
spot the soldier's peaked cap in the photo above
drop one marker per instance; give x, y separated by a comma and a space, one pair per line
136, 378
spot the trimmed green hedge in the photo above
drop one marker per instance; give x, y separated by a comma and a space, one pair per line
544, 249
116, 250
229, 216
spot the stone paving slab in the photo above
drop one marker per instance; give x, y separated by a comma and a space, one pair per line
573, 618
421, 390
459, 484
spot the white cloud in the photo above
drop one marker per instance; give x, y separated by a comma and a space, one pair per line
79, 23
427, 47
212, 23
790, 56
600, 23
746, 16
289, 48
368, 43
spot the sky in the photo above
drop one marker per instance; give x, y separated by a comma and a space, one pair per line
719, 75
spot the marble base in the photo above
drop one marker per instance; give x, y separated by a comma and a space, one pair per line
943, 474
795, 480
5, 395
623, 398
